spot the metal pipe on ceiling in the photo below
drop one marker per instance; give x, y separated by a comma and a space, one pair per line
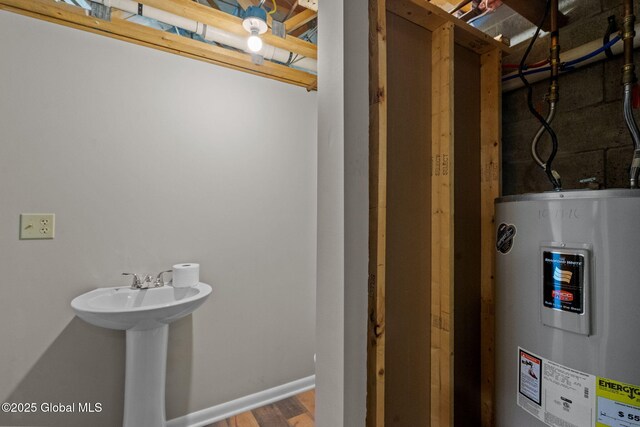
629, 80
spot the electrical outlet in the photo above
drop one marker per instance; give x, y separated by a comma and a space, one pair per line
37, 226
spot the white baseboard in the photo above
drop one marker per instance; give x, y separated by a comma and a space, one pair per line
247, 403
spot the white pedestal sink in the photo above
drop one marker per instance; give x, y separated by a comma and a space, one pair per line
145, 314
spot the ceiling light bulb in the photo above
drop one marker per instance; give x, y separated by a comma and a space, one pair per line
254, 42
255, 22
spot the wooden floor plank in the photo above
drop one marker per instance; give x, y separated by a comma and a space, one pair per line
244, 420
296, 411
269, 416
308, 399
303, 420
290, 407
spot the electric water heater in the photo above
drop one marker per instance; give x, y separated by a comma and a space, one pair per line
568, 309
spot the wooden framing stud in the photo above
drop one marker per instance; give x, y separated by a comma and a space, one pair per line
442, 232
490, 150
377, 214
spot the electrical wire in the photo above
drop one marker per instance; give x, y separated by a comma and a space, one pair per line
309, 35
297, 59
292, 59
528, 73
528, 66
275, 7
543, 122
611, 28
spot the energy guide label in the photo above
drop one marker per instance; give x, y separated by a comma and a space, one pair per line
618, 404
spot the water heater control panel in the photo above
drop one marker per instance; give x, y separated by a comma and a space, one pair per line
565, 284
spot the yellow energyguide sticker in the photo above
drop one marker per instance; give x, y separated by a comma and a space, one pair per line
618, 404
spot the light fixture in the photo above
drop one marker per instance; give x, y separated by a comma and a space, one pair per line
255, 22
254, 41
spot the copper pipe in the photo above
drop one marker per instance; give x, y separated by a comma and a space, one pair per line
554, 57
628, 33
629, 80
555, 11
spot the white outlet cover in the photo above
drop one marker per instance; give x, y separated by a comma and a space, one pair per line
37, 226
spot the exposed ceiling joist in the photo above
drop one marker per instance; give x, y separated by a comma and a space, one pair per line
230, 23
292, 10
299, 20
448, 5
533, 10
213, 4
120, 14
431, 17
461, 6
75, 17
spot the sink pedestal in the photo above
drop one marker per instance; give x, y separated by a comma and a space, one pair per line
146, 368
145, 314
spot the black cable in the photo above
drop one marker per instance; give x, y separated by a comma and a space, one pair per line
543, 122
612, 27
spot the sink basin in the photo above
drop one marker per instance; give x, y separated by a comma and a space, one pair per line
145, 314
126, 308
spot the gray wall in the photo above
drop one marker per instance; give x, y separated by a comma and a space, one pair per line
149, 159
343, 214
593, 140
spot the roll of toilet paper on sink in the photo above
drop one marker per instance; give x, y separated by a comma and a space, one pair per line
186, 275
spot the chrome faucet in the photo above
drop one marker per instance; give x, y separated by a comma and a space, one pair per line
160, 279
148, 281
137, 283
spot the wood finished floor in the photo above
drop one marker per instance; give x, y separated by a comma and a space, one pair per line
296, 411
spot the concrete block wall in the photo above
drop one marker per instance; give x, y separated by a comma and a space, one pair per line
593, 139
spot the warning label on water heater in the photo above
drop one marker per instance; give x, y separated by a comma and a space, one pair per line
563, 275
530, 376
560, 396
557, 395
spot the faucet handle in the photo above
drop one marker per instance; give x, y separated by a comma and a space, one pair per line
160, 279
137, 282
